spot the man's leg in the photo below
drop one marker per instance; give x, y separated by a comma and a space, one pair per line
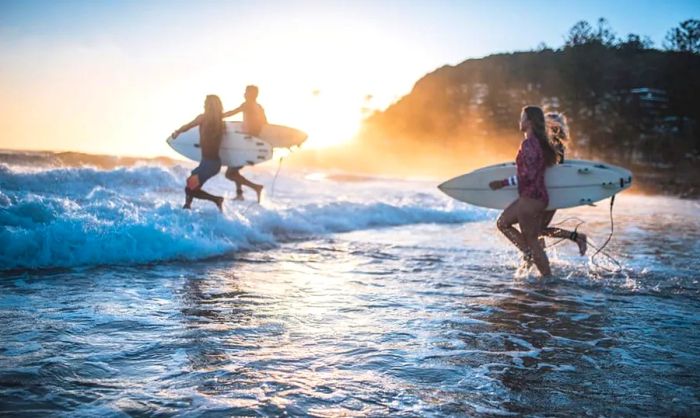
234, 174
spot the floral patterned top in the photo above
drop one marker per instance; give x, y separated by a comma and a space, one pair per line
531, 166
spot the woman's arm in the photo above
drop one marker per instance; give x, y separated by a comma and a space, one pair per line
186, 127
499, 184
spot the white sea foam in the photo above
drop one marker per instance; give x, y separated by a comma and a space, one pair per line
64, 217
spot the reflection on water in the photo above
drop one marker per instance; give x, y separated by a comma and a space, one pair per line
423, 320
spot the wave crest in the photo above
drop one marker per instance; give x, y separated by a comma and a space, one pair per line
66, 217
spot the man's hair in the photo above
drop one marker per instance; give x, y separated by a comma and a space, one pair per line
252, 89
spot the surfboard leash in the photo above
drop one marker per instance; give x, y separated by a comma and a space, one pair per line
274, 180
560, 240
248, 207
599, 250
272, 186
605, 244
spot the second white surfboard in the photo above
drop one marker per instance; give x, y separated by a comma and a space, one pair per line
572, 183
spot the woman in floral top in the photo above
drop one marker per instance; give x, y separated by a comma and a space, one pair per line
534, 156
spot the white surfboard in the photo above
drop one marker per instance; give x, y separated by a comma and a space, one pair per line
276, 135
572, 183
237, 149
282, 136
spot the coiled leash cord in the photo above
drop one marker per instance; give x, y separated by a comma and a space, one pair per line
599, 250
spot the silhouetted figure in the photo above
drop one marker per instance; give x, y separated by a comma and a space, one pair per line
253, 121
211, 131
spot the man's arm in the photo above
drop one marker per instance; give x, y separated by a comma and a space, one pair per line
239, 109
186, 127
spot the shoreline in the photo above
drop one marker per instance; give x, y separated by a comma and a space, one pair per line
660, 182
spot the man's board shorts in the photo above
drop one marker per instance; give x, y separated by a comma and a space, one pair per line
207, 169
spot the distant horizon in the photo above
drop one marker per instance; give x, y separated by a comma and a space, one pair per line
170, 154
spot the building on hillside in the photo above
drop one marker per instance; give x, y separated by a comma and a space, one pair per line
662, 135
651, 102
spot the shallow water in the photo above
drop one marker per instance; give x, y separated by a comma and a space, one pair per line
363, 298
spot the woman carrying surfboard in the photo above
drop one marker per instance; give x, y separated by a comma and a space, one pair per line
211, 130
534, 156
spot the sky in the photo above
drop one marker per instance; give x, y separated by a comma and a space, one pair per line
117, 77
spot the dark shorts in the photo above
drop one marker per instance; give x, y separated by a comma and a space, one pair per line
207, 169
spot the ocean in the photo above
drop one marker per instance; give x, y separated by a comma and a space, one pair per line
340, 295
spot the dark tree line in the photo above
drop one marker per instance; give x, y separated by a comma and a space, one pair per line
625, 100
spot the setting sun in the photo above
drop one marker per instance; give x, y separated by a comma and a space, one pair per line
320, 70
328, 120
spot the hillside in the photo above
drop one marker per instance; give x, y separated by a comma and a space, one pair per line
626, 104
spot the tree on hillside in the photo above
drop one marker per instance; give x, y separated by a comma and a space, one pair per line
579, 34
635, 42
626, 101
582, 33
684, 38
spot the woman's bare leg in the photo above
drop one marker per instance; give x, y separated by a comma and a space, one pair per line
530, 214
505, 223
191, 184
194, 190
546, 219
578, 238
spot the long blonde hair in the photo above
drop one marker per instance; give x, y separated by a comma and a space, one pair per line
558, 132
212, 124
536, 117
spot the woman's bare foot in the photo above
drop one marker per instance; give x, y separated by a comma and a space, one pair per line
219, 203
582, 243
188, 200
